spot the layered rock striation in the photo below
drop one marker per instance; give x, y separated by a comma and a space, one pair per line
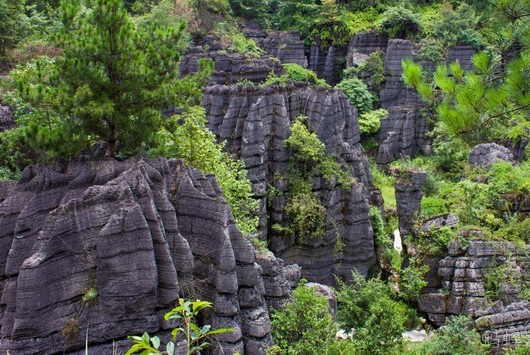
255, 122
485, 280
404, 132
105, 248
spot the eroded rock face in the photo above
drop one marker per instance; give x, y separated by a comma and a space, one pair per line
6, 118
483, 155
255, 123
408, 187
141, 233
328, 62
461, 288
404, 132
284, 45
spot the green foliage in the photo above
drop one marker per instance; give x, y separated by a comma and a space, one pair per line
370, 122
502, 276
491, 102
306, 216
320, 22
12, 28
186, 312
522, 346
371, 70
434, 243
433, 206
385, 183
486, 198
369, 308
454, 25
456, 337
254, 10
186, 137
305, 327
399, 22
412, 281
109, 85
358, 94
378, 227
361, 21
296, 73
236, 41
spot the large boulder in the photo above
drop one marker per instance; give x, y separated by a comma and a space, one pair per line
6, 118
483, 155
104, 248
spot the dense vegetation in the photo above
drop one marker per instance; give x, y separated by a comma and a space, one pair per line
87, 71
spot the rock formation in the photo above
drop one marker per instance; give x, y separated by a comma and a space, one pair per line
6, 118
404, 132
483, 155
466, 284
284, 45
255, 122
106, 248
328, 63
408, 187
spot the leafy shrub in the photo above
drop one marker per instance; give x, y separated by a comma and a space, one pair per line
186, 312
370, 122
306, 216
451, 25
305, 326
412, 281
456, 337
400, 22
368, 307
434, 242
236, 41
433, 206
296, 73
186, 137
358, 94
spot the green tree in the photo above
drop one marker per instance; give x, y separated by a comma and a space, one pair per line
186, 137
368, 307
492, 101
110, 84
305, 326
11, 24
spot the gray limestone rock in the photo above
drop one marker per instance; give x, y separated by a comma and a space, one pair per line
6, 118
328, 63
255, 123
464, 289
284, 45
483, 155
408, 187
141, 233
403, 133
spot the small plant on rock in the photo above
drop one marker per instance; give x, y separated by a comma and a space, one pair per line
194, 336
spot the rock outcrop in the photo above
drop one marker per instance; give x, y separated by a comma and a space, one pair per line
483, 155
105, 248
6, 118
469, 278
404, 132
328, 62
408, 188
284, 45
255, 123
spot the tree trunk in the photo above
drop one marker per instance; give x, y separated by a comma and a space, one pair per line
112, 140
